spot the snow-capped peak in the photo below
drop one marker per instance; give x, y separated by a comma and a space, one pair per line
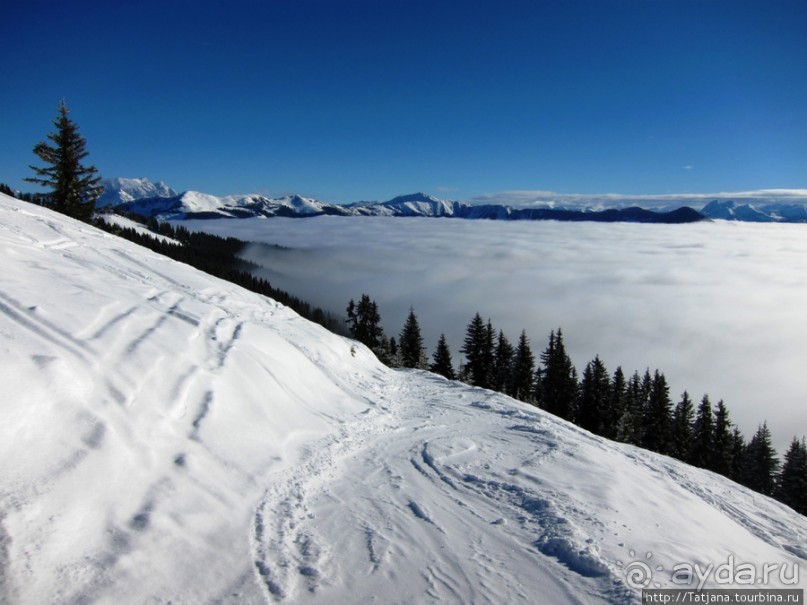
122, 190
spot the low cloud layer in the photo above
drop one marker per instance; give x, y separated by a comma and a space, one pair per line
719, 307
528, 199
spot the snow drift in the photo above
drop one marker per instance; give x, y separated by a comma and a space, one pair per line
169, 437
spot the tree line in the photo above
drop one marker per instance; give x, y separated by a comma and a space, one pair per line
216, 256
635, 408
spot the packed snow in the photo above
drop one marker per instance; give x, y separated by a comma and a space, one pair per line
170, 437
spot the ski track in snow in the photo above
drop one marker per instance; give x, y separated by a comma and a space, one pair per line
391, 459
173, 438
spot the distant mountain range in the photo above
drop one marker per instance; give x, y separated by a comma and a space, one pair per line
119, 191
160, 201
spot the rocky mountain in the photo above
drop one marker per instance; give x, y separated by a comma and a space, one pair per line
193, 204
778, 212
121, 190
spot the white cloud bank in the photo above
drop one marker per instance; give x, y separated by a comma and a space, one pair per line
528, 199
720, 307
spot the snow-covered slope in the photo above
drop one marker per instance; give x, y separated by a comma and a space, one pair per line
758, 212
169, 437
414, 204
731, 211
193, 204
121, 190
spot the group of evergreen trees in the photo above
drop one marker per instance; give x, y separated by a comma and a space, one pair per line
634, 409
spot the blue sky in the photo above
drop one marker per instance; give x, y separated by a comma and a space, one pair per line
365, 100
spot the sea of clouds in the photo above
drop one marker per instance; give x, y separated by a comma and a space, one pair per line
671, 201
719, 307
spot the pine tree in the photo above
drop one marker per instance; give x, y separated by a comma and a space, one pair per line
761, 462
538, 387
393, 351
488, 355
386, 352
738, 447
365, 323
683, 419
558, 379
478, 350
592, 410
441, 361
657, 434
792, 488
722, 455
523, 371
629, 427
412, 352
74, 187
616, 404
502, 364
702, 451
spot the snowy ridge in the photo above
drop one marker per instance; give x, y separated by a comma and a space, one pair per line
121, 190
416, 204
194, 204
756, 213
168, 436
159, 200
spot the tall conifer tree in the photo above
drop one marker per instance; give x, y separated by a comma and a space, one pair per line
683, 418
702, 451
629, 427
617, 404
411, 350
558, 379
502, 364
592, 410
441, 360
722, 455
365, 323
477, 354
74, 186
792, 488
657, 434
761, 462
738, 448
523, 371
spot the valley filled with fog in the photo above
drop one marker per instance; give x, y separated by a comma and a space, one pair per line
719, 307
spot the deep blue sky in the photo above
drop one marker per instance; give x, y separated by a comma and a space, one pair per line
364, 100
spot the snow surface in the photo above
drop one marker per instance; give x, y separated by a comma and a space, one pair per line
127, 223
170, 437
